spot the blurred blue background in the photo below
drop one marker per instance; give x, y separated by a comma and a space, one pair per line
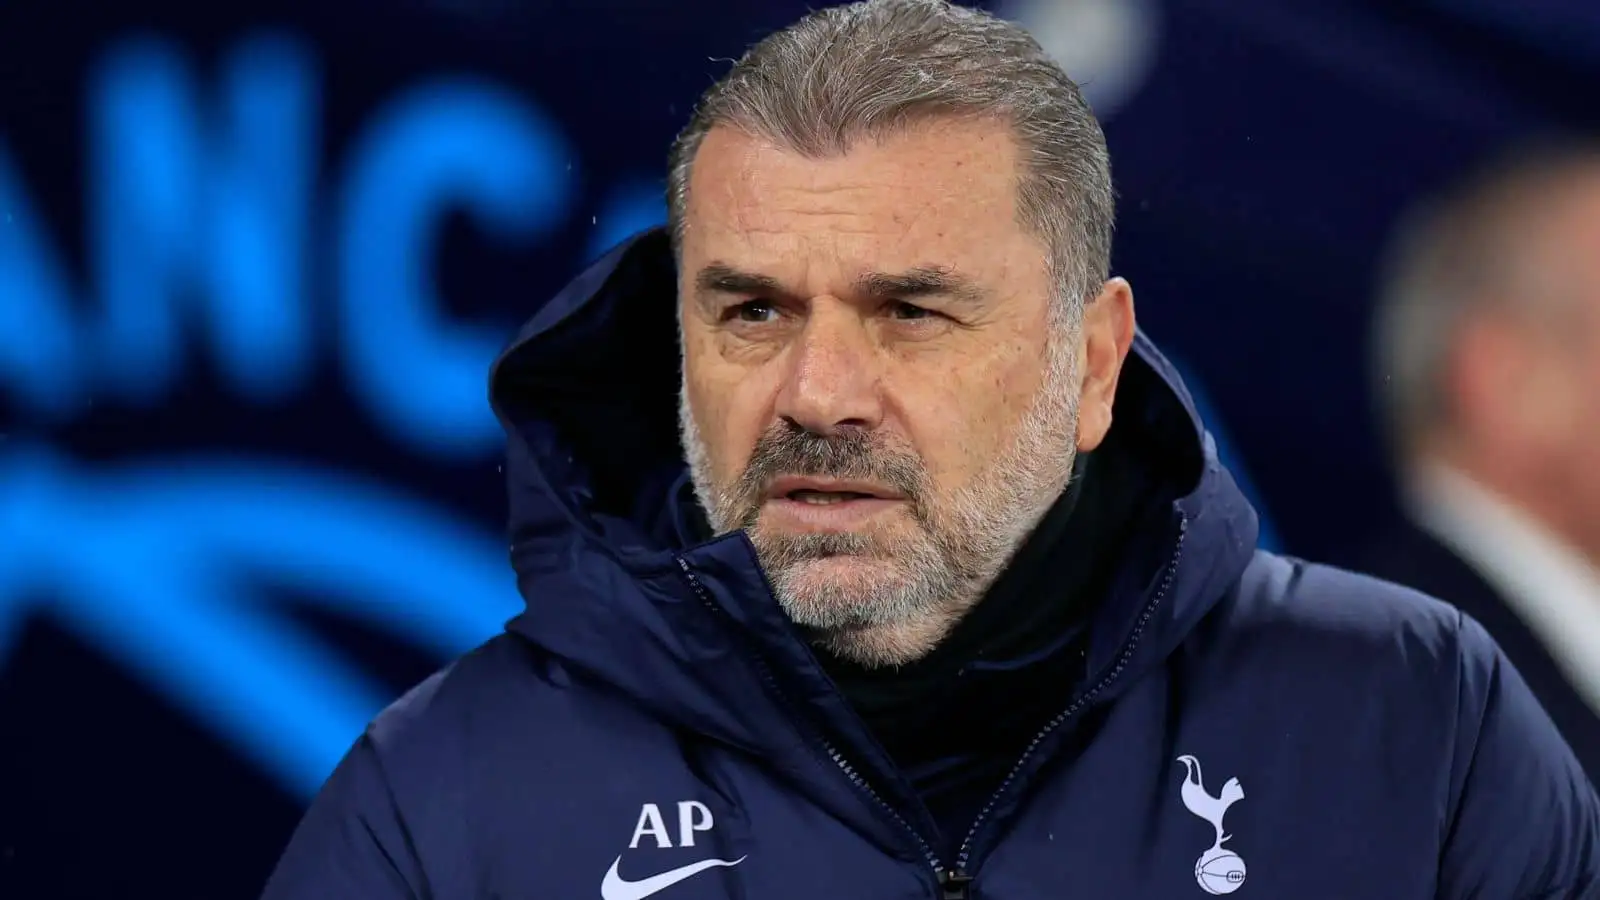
255, 259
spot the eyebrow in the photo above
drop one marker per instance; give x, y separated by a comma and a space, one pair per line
719, 278
920, 281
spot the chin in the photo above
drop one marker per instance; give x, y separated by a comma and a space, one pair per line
845, 592
837, 591
889, 644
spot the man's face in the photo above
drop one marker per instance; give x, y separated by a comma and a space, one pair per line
1565, 356
874, 386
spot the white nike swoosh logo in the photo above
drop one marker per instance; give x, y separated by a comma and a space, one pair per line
615, 888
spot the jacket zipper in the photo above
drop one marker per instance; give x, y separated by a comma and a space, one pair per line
955, 884
928, 854
964, 855
941, 872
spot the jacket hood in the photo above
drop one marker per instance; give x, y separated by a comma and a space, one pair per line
587, 393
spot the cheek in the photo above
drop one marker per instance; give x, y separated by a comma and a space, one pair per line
960, 421
731, 413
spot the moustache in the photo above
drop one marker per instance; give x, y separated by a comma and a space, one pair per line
848, 455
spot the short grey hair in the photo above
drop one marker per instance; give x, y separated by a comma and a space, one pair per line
872, 68
1461, 255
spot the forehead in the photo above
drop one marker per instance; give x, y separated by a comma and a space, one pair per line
1576, 214
940, 191
1556, 233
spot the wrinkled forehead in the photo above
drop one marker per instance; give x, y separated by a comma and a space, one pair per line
942, 192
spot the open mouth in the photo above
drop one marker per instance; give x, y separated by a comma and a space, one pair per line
826, 498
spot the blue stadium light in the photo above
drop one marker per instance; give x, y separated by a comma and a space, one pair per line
162, 566
451, 143
183, 213
41, 361
628, 209
199, 220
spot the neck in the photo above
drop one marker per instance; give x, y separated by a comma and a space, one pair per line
1541, 493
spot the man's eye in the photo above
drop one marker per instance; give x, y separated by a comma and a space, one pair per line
902, 310
755, 311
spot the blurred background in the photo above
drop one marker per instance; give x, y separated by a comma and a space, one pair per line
256, 257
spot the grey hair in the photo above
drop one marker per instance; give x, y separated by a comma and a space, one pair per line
871, 68
1456, 257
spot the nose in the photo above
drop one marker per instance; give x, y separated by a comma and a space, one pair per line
833, 379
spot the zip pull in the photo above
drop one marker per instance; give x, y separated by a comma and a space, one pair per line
955, 886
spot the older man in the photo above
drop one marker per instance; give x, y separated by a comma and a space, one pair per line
870, 552
1488, 367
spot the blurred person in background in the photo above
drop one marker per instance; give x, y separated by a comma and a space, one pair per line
1488, 370
870, 552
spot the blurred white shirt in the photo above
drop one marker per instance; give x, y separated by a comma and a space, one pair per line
1547, 583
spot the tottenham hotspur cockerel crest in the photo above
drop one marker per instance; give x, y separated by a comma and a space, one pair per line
1218, 870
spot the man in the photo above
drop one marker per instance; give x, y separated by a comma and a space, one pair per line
1489, 372
925, 580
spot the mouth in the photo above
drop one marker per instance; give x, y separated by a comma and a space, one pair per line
827, 492
814, 504
827, 498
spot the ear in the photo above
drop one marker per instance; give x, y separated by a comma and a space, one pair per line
1108, 326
